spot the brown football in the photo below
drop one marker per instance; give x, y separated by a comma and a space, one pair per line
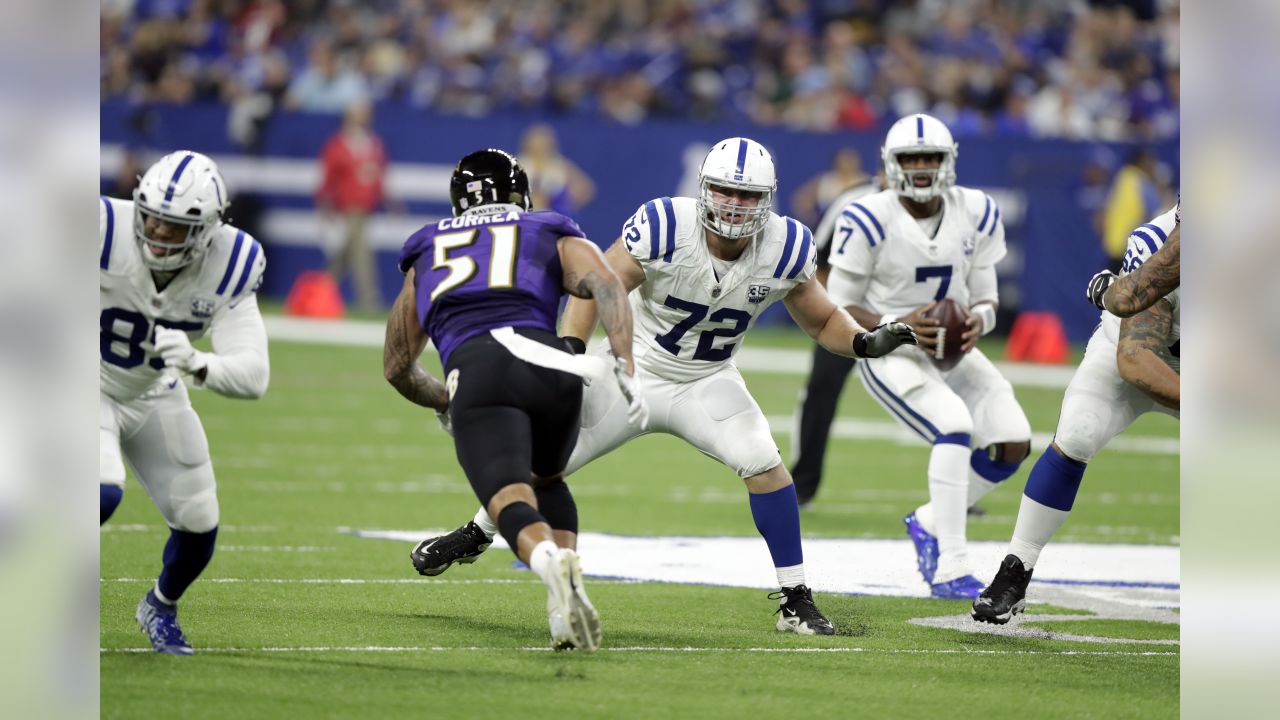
952, 321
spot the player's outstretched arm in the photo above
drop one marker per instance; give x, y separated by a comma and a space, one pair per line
404, 343
599, 284
588, 275
238, 365
1141, 288
579, 318
835, 329
1142, 338
848, 289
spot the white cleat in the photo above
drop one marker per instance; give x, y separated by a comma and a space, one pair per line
574, 622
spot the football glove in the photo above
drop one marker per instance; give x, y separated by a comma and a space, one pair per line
883, 339
637, 408
175, 348
446, 422
1098, 287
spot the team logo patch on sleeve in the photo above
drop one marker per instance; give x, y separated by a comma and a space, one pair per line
757, 293
201, 307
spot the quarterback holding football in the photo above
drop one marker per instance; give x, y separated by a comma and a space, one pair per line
923, 252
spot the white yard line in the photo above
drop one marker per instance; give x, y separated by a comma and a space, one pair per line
639, 649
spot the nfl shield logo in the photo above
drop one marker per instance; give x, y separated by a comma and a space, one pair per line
968, 245
757, 293
201, 308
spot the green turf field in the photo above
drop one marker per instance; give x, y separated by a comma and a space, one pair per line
294, 618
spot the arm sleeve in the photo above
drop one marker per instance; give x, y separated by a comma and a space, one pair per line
852, 243
562, 226
989, 233
826, 229
983, 285
847, 288
649, 234
238, 366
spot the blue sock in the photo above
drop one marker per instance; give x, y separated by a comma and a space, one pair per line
109, 497
1055, 480
777, 516
991, 470
185, 557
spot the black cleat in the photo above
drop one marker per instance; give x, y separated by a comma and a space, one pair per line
798, 614
1006, 596
434, 555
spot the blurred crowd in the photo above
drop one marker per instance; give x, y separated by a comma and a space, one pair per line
1106, 70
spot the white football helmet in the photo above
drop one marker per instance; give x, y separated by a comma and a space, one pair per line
741, 164
919, 134
183, 188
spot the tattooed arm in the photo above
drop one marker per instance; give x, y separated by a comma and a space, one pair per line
405, 341
1156, 278
1142, 338
599, 285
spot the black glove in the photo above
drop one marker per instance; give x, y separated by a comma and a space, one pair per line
575, 345
883, 339
1098, 287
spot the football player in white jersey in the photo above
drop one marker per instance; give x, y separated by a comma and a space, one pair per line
895, 255
1142, 288
700, 271
172, 271
1130, 367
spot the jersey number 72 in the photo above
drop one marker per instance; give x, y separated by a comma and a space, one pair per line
697, 311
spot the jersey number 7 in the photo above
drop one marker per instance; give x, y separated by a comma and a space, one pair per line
928, 272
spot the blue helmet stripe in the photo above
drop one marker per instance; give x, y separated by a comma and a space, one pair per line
1156, 229
669, 241
786, 250
873, 219
805, 242
742, 159
105, 260
231, 264
173, 182
248, 267
651, 212
920, 128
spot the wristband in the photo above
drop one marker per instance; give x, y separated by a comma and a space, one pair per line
860, 345
986, 313
576, 345
886, 319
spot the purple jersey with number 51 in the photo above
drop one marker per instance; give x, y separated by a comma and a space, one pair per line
477, 272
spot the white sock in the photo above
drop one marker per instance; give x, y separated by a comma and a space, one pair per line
160, 596
540, 558
791, 575
1036, 524
979, 487
486, 523
948, 499
924, 516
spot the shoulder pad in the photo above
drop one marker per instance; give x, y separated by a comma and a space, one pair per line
797, 249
